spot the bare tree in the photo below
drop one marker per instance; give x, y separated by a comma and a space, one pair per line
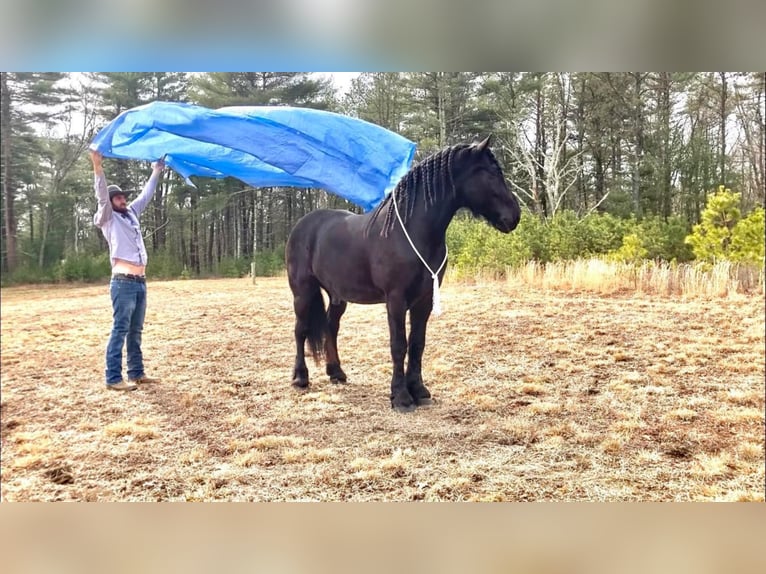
749, 101
553, 176
551, 169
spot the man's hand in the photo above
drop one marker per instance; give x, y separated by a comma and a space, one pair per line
95, 157
158, 165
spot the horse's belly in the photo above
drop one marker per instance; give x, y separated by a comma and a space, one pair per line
366, 298
345, 281
352, 292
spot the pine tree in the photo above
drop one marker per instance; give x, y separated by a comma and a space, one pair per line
711, 239
219, 89
444, 100
381, 98
25, 98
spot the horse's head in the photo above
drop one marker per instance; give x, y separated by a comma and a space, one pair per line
481, 187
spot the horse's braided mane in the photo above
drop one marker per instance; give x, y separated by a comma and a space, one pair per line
431, 178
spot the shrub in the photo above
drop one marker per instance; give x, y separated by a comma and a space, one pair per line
567, 237
164, 266
711, 238
604, 232
269, 263
747, 241
233, 267
475, 245
664, 240
83, 268
724, 234
632, 250
28, 274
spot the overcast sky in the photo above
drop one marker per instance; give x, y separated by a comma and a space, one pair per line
342, 80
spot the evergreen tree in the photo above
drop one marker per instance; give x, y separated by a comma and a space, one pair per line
443, 101
381, 98
711, 239
219, 89
25, 99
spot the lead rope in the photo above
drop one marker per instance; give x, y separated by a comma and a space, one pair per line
436, 307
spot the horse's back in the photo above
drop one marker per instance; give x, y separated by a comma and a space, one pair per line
307, 235
330, 246
307, 230
309, 223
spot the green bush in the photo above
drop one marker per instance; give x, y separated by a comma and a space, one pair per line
566, 236
724, 234
28, 274
604, 232
711, 238
164, 266
747, 241
83, 268
475, 245
664, 240
269, 263
533, 238
632, 250
230, 267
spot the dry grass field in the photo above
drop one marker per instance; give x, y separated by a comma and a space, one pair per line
539, 395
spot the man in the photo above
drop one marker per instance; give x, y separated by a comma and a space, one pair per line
118, 221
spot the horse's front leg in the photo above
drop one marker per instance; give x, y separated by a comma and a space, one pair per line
401, 400
419, 315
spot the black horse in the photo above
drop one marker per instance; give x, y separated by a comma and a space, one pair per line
369, 259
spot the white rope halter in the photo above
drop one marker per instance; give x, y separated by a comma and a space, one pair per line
436, 307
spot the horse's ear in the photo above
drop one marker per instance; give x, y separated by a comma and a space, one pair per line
484, 144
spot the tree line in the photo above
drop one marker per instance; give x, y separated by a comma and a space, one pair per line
633, 145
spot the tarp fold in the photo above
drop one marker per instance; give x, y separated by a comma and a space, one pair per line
264, 146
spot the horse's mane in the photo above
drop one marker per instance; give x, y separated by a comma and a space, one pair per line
431, 178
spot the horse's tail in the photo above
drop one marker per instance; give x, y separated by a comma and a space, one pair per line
317, 326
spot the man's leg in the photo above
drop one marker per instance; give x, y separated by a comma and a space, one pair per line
123, 305
135, 356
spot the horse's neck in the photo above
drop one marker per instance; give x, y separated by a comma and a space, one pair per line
428, 224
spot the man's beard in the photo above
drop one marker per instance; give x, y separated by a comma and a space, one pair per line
120, 209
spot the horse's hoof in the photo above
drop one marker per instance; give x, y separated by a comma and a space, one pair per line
336, 374
338, 380
300, 383
424, 402
404, 408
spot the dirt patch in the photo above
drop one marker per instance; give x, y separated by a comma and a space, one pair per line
538, 396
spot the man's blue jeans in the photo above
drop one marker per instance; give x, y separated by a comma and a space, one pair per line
129, 305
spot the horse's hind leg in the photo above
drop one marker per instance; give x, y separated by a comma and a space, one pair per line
334, 313
303, 296
300, 371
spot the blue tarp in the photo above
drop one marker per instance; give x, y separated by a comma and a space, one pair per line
264, 146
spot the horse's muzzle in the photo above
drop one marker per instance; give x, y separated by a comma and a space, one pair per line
507, 224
